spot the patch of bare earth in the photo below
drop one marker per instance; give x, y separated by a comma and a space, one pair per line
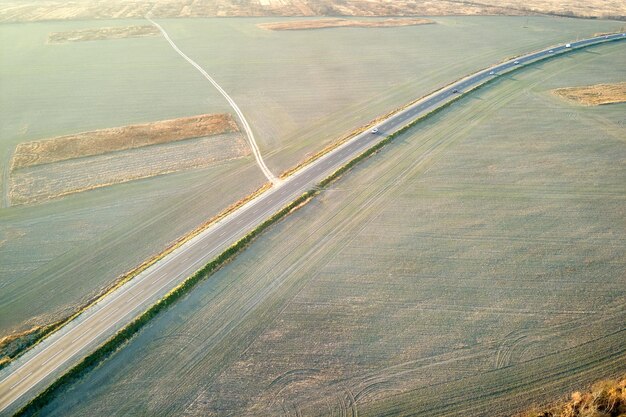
594, 95
103, 141
98, 34
56, 167
334, 23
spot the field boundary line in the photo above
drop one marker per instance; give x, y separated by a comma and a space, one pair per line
253, 145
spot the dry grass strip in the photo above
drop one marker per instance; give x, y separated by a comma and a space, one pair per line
594, 95
99, 34
604, 399
335, 23
103, 141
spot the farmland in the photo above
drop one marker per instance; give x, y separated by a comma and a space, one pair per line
96, 34
30, 10
473, 266
357, 73
57, 255
594, 95
59, 166
121, 138
40, 183
334, 23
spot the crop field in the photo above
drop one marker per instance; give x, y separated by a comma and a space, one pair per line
334, 23
43, 182
96, 34
594, 95
280, 78
120, 138
56, 167
32, 10
473, 266
58, 254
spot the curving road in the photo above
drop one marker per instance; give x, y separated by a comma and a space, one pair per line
38, 368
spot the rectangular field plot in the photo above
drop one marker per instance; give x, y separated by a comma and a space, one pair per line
53, 180
114, 139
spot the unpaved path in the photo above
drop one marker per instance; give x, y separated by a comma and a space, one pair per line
244, 122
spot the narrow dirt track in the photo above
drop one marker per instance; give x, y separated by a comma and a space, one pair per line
244, 122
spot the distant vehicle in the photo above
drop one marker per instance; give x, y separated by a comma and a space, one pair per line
374, 131
551, 51
606, 36
491, 72
455, 91
568, 45
516, 62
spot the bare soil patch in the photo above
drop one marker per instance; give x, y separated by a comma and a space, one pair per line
103, 141
334, 23
97, 34
594, 95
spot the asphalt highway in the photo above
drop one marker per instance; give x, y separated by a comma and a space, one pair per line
38, 368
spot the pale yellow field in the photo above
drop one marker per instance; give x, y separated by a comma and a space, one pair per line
334, 23
98, 142
97, 34
44, 182
594, 95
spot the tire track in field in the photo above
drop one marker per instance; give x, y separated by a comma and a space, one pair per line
423, 156
326, 252
511, 355
495, 393
516, 344
242, 119
390, 379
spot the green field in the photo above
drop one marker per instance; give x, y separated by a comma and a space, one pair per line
56, 255
472, 267
300, 90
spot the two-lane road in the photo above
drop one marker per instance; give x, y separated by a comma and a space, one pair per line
39, 367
